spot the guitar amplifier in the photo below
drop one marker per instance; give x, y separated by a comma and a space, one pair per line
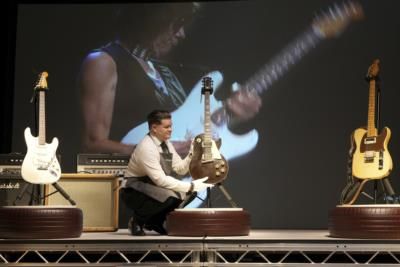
14, 190
115, 164
11, 163
96, 194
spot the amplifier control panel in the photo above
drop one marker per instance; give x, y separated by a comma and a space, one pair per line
115, 164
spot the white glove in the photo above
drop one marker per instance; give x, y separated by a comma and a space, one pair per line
191, 148
199, 185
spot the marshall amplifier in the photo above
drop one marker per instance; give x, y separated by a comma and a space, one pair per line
14, 190
115, 164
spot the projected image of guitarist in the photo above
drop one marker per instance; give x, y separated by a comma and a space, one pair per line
131, 63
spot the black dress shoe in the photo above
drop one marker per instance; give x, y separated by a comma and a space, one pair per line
156, 227
135, 228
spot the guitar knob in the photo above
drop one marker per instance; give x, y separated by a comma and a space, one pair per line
216, 166
217, 173
222, 170
222, 163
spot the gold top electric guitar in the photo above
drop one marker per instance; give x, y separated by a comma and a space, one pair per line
371, 159
207, 160
40, 165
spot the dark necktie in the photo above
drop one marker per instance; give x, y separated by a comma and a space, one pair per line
164, 148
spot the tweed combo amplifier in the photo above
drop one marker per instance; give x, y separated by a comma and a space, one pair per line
115, 164
97, 195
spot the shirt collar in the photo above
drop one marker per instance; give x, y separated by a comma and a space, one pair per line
156, 140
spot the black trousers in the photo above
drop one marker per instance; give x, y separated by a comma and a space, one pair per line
147, 210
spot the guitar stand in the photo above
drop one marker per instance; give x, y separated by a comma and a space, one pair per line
227, 195
33, 200
352, 191
224, 192
63, 193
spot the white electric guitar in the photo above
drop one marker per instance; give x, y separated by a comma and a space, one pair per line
40, 165
189, 118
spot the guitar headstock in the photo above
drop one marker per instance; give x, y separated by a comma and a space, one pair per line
336, 19
41, 84
207, 85
373, 70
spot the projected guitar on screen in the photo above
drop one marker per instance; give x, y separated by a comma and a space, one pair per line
188, 119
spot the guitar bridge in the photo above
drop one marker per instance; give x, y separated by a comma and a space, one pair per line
369, 156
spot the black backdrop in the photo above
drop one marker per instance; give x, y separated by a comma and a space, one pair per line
296, 173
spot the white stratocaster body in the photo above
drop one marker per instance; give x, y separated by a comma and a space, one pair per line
40, 165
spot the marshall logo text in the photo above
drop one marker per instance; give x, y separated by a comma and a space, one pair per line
10, 186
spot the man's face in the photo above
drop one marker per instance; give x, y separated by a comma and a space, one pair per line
165, 41
163, 130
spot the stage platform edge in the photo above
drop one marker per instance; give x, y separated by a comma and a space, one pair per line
260, 247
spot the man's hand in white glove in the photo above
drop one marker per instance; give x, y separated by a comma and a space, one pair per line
200, 185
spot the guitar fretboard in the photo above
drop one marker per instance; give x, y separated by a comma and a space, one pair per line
42, 118
371, 128
207, 142
280, 64
276, 68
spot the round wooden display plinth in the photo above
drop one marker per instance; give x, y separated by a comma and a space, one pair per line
40, 222
365, 221
208, 222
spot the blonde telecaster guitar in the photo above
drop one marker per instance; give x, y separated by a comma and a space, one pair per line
371, 159
40, 165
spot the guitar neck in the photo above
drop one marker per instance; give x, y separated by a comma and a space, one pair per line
207, 128
42, 118
371, 127
276, 68
281, 63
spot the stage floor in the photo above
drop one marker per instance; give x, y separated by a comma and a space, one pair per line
260, 247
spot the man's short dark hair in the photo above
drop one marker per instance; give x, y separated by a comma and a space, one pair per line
156, 116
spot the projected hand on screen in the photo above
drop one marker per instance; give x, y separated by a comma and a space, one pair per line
243, 104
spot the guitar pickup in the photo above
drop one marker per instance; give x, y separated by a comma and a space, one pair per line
370, 140
42, 168
369, 156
